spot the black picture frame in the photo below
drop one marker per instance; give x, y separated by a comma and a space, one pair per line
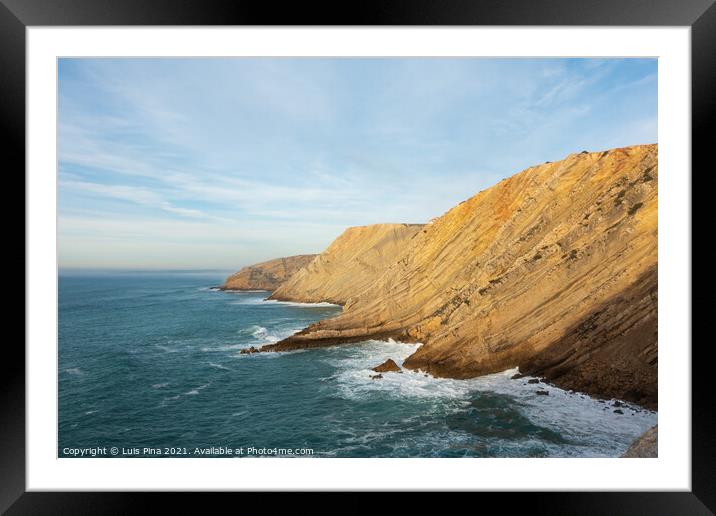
16, 15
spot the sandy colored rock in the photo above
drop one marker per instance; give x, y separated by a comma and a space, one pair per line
553, 270
646, 446
350, 264
267, 275
389, 366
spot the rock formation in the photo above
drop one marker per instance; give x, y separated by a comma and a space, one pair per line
553, 270
267, 275
389, 366
646, 446
350, 264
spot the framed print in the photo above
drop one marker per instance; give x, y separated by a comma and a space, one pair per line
426, 247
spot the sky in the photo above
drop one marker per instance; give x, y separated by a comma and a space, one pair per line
219, 163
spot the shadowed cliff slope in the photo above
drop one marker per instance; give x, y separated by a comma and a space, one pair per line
267, 275
552, 270
350, 264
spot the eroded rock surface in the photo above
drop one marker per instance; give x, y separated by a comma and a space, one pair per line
389, 366
646, 446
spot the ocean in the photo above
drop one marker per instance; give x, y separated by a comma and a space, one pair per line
149, 365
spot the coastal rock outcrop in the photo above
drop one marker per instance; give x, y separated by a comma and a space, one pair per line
351, 263
646, 446
267, 275
552, 270
389, 366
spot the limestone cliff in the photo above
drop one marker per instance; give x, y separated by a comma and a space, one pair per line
350, 264
553, 270
267, 275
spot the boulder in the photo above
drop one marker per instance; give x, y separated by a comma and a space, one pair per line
646, 446
389, 366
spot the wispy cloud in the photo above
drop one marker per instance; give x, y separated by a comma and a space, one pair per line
224, 161
131, 194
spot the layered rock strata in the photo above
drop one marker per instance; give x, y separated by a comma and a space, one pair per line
553, 270
267, 275
354, 261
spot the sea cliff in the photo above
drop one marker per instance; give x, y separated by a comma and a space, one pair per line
267, 275
552, 270
353, 262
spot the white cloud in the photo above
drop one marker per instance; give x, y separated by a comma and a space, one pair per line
133, 194
274, 156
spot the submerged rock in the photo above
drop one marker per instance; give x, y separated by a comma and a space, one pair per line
248, 351
376, 376
533, 380
543, 393
389, 366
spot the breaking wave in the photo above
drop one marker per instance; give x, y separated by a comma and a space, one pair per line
577, 424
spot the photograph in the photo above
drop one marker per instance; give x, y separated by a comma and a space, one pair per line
357, 257
424, 247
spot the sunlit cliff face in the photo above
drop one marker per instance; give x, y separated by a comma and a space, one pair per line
552, 270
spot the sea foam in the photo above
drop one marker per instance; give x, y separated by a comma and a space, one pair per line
196, 390
589, 422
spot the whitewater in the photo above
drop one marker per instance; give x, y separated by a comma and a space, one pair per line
154, 360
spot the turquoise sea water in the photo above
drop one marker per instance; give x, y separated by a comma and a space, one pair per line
150, 364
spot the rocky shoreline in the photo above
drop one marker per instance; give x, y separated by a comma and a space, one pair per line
553, 270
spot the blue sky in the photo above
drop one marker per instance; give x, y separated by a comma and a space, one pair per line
219, 163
